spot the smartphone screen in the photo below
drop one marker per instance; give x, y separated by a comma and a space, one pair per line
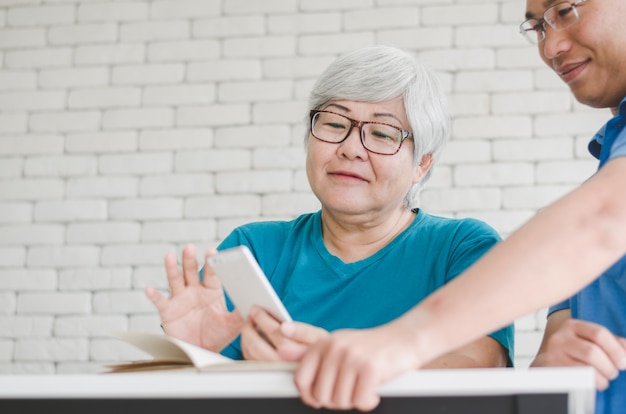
245, 283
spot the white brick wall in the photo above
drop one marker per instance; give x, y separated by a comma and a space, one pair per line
128, 129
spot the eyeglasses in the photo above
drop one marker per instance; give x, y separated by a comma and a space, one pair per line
559, 17
376, 137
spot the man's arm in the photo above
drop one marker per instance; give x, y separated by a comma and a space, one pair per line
563, 248
554, 323
556, 253
295, 337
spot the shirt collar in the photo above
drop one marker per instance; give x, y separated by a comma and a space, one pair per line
595, 145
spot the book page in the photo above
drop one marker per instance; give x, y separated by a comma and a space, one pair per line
173, 354
166, 348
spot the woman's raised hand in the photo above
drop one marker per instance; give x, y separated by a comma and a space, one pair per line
196, 310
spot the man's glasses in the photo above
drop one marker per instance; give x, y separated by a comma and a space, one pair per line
559, 17
376, 137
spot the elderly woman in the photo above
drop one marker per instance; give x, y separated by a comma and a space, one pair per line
376, 127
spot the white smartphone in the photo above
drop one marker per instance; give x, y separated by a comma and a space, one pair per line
245, 283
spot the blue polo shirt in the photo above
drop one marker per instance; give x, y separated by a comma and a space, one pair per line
604, 300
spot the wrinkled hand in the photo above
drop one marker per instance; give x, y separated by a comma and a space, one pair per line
578, 343
344, 370
264, 338
196, 311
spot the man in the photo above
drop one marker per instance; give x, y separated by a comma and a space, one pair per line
577, 242
599, 310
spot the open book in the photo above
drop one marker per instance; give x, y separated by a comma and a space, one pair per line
172, 353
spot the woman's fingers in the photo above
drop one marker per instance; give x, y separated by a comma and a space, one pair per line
209, 278
159, 301
189, 275
303, 332
175, 278
255, 346
292, 351
190, 266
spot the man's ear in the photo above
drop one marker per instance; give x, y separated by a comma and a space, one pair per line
424, 166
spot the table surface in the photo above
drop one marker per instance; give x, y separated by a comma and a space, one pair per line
189, 383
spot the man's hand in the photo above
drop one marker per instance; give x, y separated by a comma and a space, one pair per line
344, 370
573, 342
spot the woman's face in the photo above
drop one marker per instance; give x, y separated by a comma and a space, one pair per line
348, 179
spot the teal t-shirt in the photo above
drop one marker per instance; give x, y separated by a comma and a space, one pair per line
320, 289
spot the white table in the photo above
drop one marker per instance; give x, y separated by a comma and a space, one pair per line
522, 391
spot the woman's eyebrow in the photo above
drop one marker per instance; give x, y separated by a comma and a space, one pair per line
387, 114
345, 109
376, 114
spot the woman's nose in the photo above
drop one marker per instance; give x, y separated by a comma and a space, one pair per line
352, 146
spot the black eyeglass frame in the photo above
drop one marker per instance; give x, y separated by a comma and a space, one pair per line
359, 124
541, 22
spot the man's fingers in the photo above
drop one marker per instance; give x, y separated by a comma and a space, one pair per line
343, 391
585, 343
330, 376
365, 397
326, 379
305, 375
622, 363
354, 383
605, 351
589, 353
602, 383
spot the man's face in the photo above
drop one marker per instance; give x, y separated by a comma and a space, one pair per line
589, 56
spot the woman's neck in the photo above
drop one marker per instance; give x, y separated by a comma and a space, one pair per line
353, 238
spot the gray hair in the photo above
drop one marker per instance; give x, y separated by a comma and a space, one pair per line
381, 73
